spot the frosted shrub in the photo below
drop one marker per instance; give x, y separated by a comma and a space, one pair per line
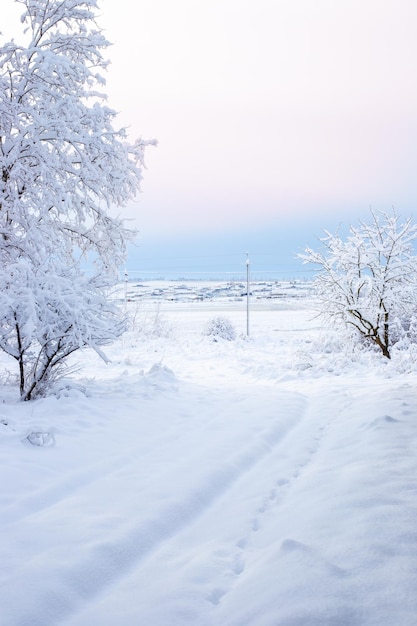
368, 283
221, 328
404, 332
151, 324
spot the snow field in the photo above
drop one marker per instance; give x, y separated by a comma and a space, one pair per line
262, 482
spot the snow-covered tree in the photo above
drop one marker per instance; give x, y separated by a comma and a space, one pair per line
63, 167
368, 283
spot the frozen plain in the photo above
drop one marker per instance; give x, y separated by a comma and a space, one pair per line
261, 482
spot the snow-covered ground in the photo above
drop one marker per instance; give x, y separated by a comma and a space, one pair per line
269, 481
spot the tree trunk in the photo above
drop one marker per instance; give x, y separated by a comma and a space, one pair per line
383, 346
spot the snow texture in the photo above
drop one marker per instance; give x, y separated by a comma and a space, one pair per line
261, 482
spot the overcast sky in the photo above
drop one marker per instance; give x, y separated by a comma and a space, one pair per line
275, 118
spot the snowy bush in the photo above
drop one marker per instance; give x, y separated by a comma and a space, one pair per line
151, 324
368, 283
220, 328
404, 332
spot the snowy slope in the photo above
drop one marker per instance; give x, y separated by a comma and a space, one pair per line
269, 482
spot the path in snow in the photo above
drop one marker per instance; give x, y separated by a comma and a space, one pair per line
282, 532
161, 477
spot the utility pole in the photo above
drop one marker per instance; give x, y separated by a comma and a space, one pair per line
126, 281
247, 292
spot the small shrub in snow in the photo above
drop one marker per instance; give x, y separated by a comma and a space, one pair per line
221, 328
404, 332
151, 325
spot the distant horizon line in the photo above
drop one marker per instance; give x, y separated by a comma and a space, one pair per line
259, 275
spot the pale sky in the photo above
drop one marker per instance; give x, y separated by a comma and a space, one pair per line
270, 115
